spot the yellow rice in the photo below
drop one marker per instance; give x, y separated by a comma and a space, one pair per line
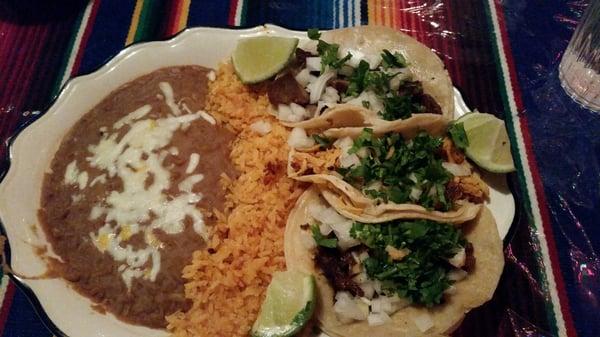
228, 286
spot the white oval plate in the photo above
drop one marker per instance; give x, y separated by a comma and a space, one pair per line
33, 149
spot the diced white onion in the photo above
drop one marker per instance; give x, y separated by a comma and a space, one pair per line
330, 96
285, 113
343, 143
346, 159
349, 160
401, 75
325, 229
298, 139
261, 127
372, 59
457, 275
376, 319
303, 77
299, 110
313, 63
342, 232
423, 321
325, 214
456, 169
347, 307
458, 260
415, 193
375, 103
317, 87
368, 289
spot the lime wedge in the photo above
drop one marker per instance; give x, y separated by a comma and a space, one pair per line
489, 146
256, 59
289, 304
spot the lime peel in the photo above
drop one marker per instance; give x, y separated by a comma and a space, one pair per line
489, 145
288, 305
256, 59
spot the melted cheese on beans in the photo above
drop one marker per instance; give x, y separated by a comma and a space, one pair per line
137, 160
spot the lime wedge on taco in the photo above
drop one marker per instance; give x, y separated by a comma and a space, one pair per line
489, 146
289, 304
259, 58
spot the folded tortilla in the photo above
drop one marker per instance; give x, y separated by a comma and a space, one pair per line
352, 203
471, 292
425, 66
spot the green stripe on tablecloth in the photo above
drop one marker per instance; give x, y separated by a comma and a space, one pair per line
519, 157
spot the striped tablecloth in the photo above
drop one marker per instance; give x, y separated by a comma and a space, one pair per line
501, 54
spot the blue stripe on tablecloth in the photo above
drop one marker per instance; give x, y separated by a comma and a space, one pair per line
208, 13
108, 34
22, 321
291, 14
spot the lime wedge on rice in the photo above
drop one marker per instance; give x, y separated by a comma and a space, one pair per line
289, 304
256, 59
489, 146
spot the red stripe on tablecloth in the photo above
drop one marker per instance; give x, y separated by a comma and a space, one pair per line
6, 305
537, 182
232, 9
17, 81
86, 35
174, 17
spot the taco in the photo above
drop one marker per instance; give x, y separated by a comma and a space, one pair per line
413, 170
399, 278
367, 75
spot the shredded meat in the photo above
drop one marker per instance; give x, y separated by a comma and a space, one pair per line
415, 90
286, 90
339, 84
470, 258
451, 153
337, 268
468, 187
300, 59
430, 105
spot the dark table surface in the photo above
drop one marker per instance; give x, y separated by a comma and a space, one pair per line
502, 55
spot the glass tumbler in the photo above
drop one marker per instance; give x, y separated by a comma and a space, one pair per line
579, 69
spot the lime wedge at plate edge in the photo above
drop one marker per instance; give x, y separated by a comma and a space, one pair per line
489, 146
256, 59
288, 305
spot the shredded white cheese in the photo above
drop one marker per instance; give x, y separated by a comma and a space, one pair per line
138, 208
75, 177
193, 163
207, 117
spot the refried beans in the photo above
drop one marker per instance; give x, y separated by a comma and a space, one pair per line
130, 193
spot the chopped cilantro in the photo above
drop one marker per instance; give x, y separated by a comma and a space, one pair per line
363, 78
366, 104
357, 80
400, 166
323, 141
458, 135
329, 55
398, 107
313, 34
421, 276
321, 239
390, 60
